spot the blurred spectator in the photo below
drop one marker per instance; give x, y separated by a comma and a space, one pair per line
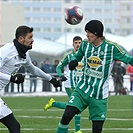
130, 72
41, 64
48, 68
7, 88
33, 79
118, 72
56, 62
22, 71
12, 86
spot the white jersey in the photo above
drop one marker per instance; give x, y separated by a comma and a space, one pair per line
10, 62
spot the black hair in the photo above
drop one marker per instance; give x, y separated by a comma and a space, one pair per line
22, 31
77, 38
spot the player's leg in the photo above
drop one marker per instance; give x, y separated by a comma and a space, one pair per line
74, 106
97, 126
77, 119
7, 118
69, 113
97, 110
11, 123
53, 103
62, 105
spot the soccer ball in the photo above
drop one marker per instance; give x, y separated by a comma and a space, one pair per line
73, 15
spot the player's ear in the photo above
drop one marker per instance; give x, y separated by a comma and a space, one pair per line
20, 39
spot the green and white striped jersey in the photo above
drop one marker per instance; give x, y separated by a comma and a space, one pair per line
72, 76
98, 63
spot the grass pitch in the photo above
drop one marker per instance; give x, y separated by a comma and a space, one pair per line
33, 119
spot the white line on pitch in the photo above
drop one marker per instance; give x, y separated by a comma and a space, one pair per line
84, 118
83, 129
63, 110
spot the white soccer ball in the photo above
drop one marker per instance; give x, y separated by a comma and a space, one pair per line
73, 15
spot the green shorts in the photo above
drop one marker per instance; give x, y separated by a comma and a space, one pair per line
97, 107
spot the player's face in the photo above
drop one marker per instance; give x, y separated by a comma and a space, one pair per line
27, 41
91, 37
76, 44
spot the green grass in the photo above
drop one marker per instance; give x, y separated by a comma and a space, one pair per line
29, 112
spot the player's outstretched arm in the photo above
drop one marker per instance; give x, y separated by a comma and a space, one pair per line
39, 73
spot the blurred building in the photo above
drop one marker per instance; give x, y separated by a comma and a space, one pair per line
12, 16
47, 16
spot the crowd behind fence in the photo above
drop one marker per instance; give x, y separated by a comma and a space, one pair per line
39, 86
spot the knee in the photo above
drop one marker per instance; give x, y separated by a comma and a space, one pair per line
69, 114
66, 118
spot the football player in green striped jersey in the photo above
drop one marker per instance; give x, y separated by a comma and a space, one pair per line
70, 79
92, 89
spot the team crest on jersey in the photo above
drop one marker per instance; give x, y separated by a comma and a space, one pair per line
94, 61
102, 53
80, 66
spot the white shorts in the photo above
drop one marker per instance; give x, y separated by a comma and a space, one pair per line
4, 109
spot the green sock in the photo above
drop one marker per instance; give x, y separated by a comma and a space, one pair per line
62, 128
61, 105
77, 119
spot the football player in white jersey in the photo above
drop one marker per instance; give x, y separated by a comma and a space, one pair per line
12, 57
92, 89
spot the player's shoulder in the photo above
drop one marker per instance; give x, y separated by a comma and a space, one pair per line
115, 45
85, 43
7, 48
69, 52
110, 42
85, 40
67, 55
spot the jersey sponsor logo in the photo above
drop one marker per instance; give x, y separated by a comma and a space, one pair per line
94, 62
78, 73
93, 73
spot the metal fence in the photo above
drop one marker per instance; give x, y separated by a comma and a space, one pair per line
39, 87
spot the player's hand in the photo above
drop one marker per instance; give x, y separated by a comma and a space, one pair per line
56, 82
63, 78
73, 64
18, 78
